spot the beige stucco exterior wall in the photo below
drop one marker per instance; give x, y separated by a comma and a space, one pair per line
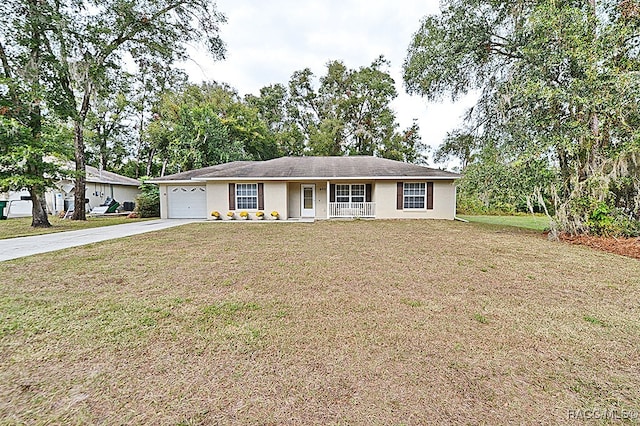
275, 198
444, 201
284, 197
295, 203
217, 198
294, 199
321, 200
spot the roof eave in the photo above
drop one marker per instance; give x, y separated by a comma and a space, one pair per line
316, 178
178, 181
105, 182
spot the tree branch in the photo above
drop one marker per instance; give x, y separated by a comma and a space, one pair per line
497, 48
128, 33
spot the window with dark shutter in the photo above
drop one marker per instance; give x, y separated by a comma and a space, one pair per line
343, 193
232, 196
368, 190
429, 195
400, 196
332, 193
261, 196
414, 195
247, 196
354, 193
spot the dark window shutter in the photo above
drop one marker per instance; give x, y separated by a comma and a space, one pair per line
261, 196
232, 196
367, 190
332, 193
400, 196
429, 195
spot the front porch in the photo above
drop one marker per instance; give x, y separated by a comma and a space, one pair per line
331, 200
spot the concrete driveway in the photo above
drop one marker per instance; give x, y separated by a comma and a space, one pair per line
14, 248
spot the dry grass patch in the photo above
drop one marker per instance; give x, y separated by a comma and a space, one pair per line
363, 322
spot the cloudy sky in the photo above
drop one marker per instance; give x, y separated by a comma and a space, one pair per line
268, 40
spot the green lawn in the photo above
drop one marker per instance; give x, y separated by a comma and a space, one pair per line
345, 322
534, 222
21, 227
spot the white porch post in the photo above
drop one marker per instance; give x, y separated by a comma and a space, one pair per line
328, 199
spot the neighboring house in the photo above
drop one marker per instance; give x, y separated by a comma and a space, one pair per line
311, 187
100, 185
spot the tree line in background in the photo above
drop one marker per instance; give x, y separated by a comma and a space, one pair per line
557, 122
188, 126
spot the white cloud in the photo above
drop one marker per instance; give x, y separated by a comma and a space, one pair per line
267, 41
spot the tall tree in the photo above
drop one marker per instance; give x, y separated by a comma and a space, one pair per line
206, 125
273, 107
28, 139
150, 85
558, 79
242, 121
80, 40
32, 148
349, 113
459, 144
108, 133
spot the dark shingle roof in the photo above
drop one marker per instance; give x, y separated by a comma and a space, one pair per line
102, 176
188, 175
314, 167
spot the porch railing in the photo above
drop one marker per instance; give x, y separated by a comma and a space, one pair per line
352, 209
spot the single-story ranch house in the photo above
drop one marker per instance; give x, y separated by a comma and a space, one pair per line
311, 187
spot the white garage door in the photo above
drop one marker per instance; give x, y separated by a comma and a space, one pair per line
187, 202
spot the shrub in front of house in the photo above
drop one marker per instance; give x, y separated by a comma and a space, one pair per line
148, 202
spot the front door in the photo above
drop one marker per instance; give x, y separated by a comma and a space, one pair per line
308, 199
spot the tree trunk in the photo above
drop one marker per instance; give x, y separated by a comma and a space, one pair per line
81, 174
565, 172
39, 218
104, 150
138, 160
164, 167
150, 161
81, 168
139, 147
